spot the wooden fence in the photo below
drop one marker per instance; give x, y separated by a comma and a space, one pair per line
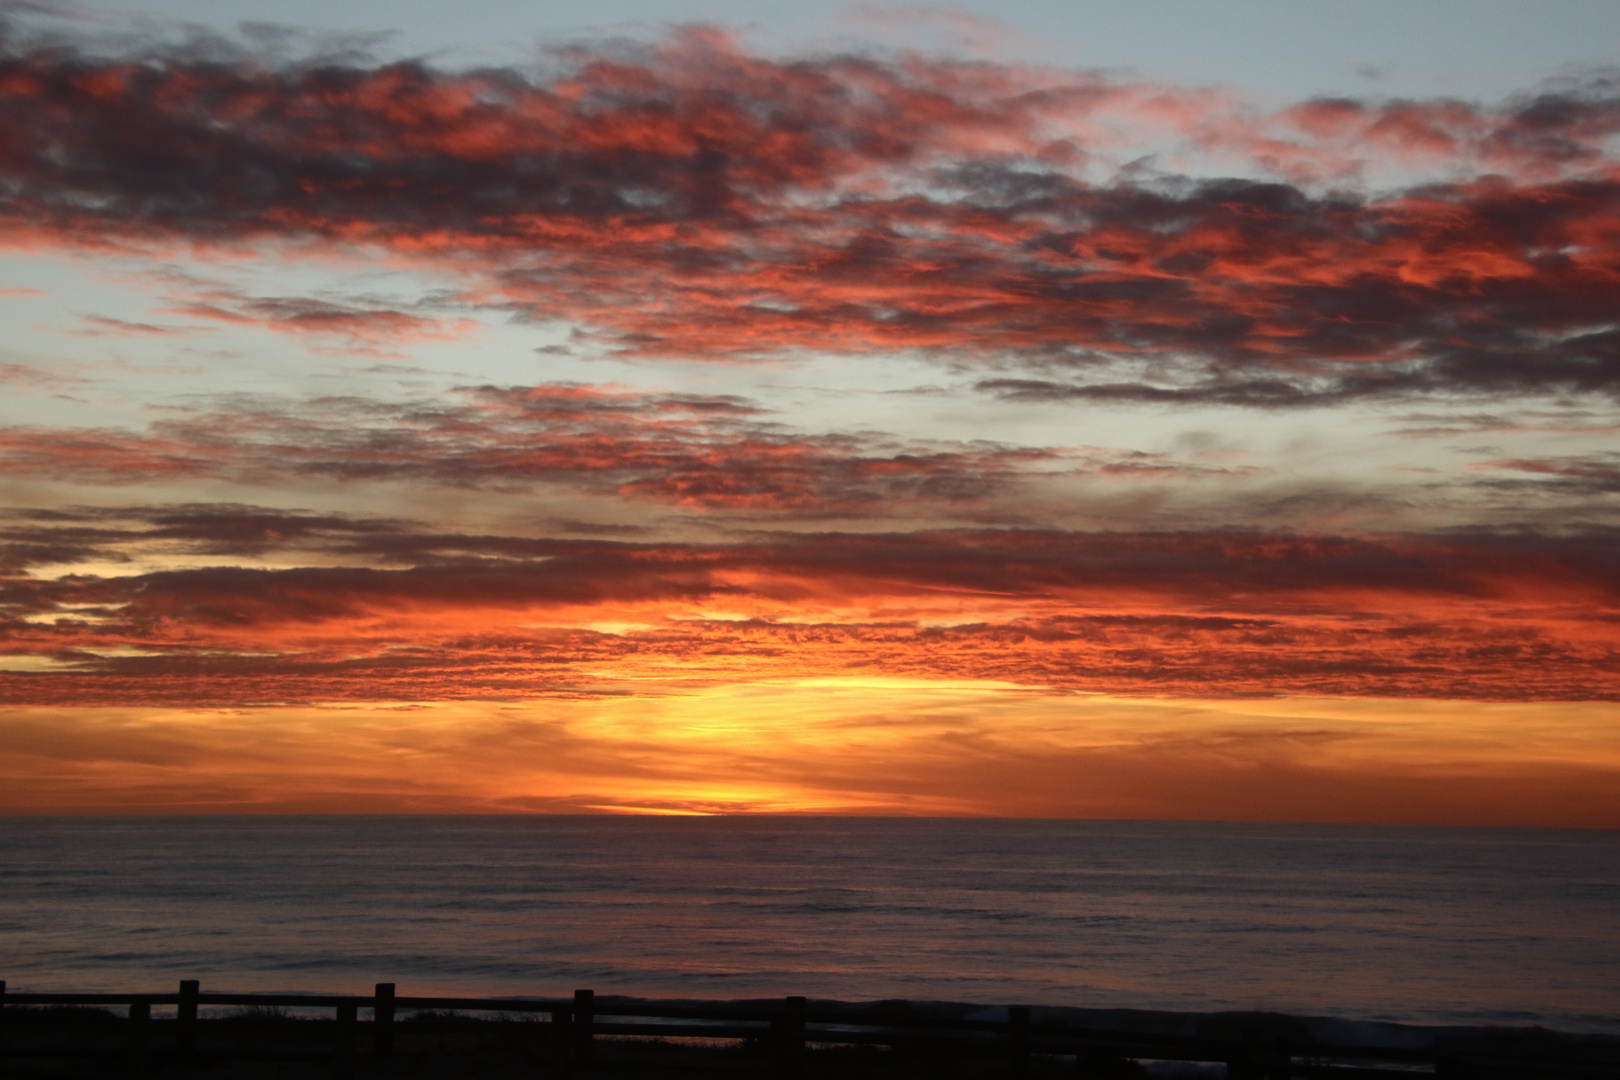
566, 1030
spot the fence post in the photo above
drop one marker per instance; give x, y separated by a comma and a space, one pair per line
343, 1048
185, 1027
790, 1035
2, 1021
1018, 1041
1447, 1066
562, 1038
382, 1022
1281, 1063
1239, 1064
140, 1016
584, 1017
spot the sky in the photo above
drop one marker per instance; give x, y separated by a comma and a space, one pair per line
1166, 410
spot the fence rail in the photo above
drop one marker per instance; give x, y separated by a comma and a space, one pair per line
568, 1028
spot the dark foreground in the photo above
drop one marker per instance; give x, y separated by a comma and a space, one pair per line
276, 1043
63, 1043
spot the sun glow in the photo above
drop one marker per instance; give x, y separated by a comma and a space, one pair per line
834, 746
676, 427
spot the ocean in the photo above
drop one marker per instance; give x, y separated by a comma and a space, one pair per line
1405, 924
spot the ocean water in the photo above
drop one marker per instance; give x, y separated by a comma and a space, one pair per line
1415, 925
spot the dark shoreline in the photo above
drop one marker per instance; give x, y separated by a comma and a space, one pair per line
613, 1037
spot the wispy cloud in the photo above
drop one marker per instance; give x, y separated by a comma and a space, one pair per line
1593, 474
712, 452
107, 326
355, 327
36, 376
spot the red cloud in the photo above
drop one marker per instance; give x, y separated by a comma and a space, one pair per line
31, 375
103, 326
361, 326
692, 199
100, 455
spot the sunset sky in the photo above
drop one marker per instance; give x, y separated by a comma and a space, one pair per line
1164, 410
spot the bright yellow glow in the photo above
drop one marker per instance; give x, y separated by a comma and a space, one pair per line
838, 745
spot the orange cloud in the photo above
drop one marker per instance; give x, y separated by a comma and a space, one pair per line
1519, 617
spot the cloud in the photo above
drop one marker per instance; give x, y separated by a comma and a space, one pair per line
106, 456
32, 375
1593, 474
360, 326
384, 611
1562, 421
689, 199
52, 8
703, 452
106, 326
952, 28
942, 750
1262, 393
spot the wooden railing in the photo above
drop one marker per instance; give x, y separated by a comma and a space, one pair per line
566, 1030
